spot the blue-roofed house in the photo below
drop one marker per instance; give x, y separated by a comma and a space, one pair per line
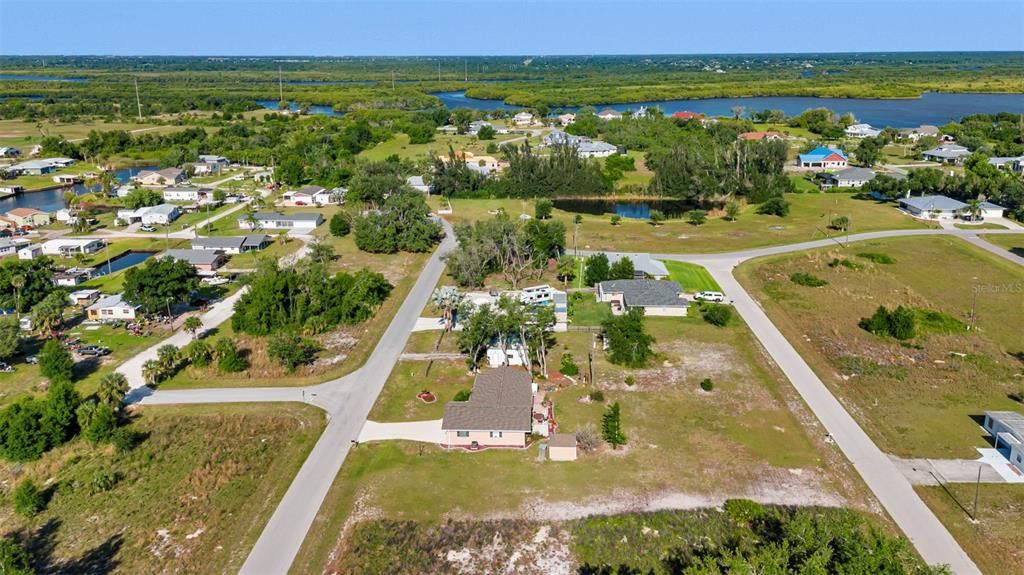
822, 157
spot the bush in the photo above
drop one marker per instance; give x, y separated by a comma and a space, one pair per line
587, 438
102, 480
716, 314
542, 209
744, 511
697, 217
836, 262
292, 351
462, 395
597, 396
808, 280
878, 258
28, 499
340, 225
229, 360
706, 384
568, 366
774, 207
616, 219
630, 380
199, 353
656, 217
899, 323
98, 421
124, 439
55, 363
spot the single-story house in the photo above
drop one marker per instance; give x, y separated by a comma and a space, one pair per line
644, 266
72, 277
279, 221
566, 119
499, 412
66, 216
687, 115
947, 154
161, 178
185, 194
476, 125
162, 214
30, 252
1009, 163
111, 308
1007, 430
559, 138
522, 119
596, 149
822, 157
848, 178
417, 183
655, 297
205, 261
205, 168
28, 217
84, 297
769, 136
41, 167
609, 114
8, 152
310, 196
7, 247
990, 210
67, 247
862, 131
934, 207
213, 159
562, 447
922, 131
232, 244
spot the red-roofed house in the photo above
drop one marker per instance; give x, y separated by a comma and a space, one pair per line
763, 136
688, 116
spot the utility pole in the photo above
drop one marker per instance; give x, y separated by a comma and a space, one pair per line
977, 488
138, 101
465, 69
438, 70
392, 79
280, 83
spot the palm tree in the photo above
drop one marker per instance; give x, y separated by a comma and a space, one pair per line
168, 357
113, 388
447, 299
250, 218
320, 251
151, 372
18, 282
192, 325
973, 209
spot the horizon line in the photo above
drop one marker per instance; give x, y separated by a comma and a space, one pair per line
522, 55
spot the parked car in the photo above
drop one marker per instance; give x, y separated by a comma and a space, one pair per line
715, 296
4, 368
148, 228
32, 360
93, 350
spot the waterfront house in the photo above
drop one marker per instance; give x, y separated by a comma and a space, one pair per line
947, 154
610, 114
161, 178
822, 157
162, 214
686, 115
862, 131
769, 136
33, 168
655, 297
68, 247
304, 222
71, 277
232, 244
522, 119
111, 308
499, 412
566, 119
922, 131
84, 297
28, 217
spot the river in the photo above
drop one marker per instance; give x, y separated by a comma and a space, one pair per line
53, 199
294, 107
931, 108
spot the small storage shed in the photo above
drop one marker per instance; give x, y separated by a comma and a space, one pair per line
562, 447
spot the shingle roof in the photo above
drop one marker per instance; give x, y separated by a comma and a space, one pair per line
928, 203
115, 300
644, 293
502, 400
276, 216
948, 151
642, 262
194, 257
857, 174
220, 242
311, 190
255, 240
562, 440
597, 146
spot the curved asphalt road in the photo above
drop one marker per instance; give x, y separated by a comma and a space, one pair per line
348, 401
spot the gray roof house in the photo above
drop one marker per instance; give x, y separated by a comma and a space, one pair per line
202, 260
305, 221
232, 244
848, 178
947, 154
596, 149
1007, 431
655, 297
940, 207
1011, 163
644, 266
499, 412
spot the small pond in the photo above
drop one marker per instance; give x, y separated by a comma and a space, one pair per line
632, 209
122, 261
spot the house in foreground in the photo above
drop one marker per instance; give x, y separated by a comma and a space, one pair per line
305, 222
111, 308
502, 411
822, 157
1007, 430
68, 247
848, 178
232, 244
655, 297
28, 217
84, 297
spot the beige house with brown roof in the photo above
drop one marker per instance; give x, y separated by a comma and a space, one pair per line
28, 217
161, 178
499, 413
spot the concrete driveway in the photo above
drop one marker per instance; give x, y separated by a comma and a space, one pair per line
425, 431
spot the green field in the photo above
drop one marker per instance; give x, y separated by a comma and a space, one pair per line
1012, 242
196, 491
692, 277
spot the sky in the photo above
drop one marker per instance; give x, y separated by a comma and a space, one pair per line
502, 27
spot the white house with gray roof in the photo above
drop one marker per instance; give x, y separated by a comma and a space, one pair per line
232, 244
149, 215
301, 222
848, 178
1007, 431
596, 149
655, 297
946, 208
947, 154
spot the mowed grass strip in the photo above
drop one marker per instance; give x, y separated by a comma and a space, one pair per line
692, 277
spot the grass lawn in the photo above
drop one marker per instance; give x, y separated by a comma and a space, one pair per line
916, 399
692, 277
1012, 242
584, 309
22, 134
809, 217
45, 181
996, 541
196, 493
740, 438
804, 185
399, 145
984, 226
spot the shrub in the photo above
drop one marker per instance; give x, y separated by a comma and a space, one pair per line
199, 353
229, 360
292, 351
28, 499
656, 217
630, 380
836, 262
542, 209
840, 223
807, 280
616, 219
55, 363
899, 323
341, 225
587, 437
697, 217
568, 366
878, 258
102, 480
98, 421
597, 396
774, 207
706, 384
124, 439
744, 511
463, 395
716, 314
